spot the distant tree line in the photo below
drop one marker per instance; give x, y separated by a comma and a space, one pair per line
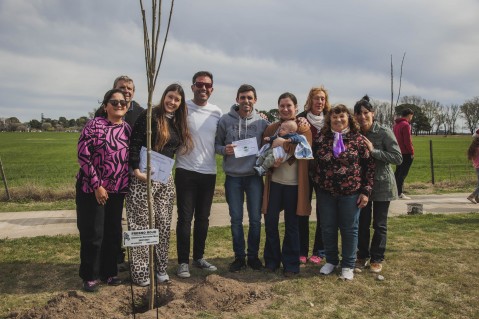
430, 117
13, 124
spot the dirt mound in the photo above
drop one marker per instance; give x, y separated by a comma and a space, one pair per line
179, 299
221, 294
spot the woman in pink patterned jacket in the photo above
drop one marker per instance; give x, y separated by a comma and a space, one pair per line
102, 184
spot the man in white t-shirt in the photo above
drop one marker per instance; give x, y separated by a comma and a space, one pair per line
195, 176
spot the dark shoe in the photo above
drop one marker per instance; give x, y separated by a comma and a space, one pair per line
360, 264
237, 265
90, 286
288, 274
112, 281
270, 270
471, 198
123, 267
255, 263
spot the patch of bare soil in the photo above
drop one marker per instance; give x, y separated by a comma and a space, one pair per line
222, 297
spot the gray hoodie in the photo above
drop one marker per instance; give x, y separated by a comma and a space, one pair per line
232, 127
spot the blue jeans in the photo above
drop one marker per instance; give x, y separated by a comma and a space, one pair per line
341, 212
282, 197
236, 188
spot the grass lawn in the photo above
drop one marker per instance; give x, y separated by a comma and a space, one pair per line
40, 168
430, 272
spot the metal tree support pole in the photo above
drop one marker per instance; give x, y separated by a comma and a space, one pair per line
4, 179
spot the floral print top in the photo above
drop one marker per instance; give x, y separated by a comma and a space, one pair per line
103, 156
352, 172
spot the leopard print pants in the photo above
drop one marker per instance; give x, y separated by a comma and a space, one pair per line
137, 217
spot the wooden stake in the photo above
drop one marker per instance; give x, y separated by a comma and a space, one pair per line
4, 179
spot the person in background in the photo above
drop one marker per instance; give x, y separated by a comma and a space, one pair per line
126, 84
402, 131
315, 109
287, 187
102, 183
241, 123
385, 151
344, 175
195, 176
170, 135
473, 155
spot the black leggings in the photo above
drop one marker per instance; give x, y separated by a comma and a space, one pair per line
100, 228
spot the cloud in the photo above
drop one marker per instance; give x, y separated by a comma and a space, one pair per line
59, 57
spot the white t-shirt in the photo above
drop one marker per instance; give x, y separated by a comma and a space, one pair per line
202, 122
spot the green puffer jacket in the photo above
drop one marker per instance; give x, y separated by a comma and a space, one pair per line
386, 151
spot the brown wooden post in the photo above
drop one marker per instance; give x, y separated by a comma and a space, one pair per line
431, 156
4, 179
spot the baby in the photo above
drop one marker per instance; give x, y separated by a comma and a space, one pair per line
266, 160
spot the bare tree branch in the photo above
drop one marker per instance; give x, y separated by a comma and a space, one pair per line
151, 54
392, 90
400, 79
166, 37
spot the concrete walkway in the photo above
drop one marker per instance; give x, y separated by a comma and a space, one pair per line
50, 223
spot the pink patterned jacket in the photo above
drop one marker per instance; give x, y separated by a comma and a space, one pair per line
103, 156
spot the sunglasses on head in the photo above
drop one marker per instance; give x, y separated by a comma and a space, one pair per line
116, 102
199, 85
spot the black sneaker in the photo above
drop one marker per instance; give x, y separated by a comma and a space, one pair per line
90, 286
124, 266
112, 281
237, 265
255, 263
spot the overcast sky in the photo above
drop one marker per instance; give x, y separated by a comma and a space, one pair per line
59, 57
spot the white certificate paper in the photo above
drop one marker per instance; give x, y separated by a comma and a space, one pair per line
161, 165
246, 147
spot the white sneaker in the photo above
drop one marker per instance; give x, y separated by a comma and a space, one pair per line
402, 196
203, 264
347, 274
327, 269
183, 271
144, 283
162, 277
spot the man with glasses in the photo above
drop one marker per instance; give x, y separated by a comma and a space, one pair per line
195, 176
242, 128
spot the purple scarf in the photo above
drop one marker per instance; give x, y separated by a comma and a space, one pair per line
338, 145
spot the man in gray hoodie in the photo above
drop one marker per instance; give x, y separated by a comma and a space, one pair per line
241, 123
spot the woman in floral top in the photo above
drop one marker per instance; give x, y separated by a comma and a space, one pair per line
344, 175
102, 183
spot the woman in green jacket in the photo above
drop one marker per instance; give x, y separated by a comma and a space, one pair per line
385, 150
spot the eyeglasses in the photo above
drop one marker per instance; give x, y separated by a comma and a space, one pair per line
199, 85
116, 102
